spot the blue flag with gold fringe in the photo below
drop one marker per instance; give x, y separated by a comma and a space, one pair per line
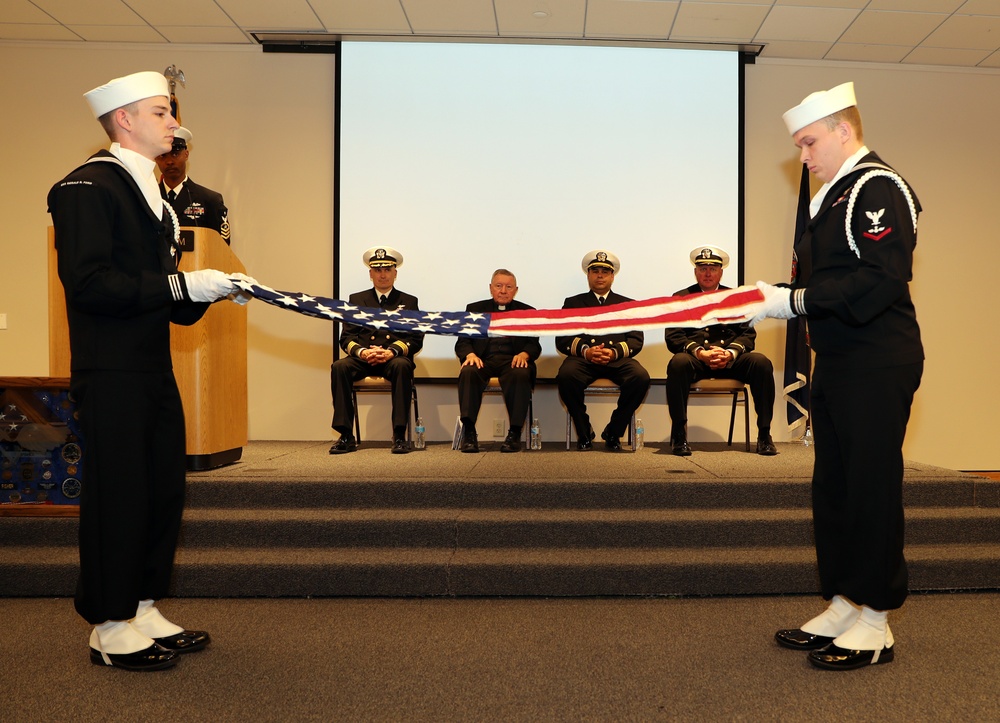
798, 356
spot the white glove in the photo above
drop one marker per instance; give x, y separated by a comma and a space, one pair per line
777, 303
240, 295
207, 285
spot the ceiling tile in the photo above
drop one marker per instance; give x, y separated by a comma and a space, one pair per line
22, 11
966, 31
371, 16
868, 53
945, 56
873, 27
992, 61
183, 13
440, 17
270, 15
704, 21
92, 12
980, 7
795, 49
205, 35
118, 33
766, 3
562, 18
816, 24
917, 6
629, 18
855, 4
29, 31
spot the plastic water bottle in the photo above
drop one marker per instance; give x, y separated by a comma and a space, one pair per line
419, 442
639, 434
535, 441
807, 438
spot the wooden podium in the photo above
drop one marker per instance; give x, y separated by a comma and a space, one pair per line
210, 357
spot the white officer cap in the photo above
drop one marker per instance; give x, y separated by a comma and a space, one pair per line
709, 255
598, 257
378, 256
128, 89
182, 136
819, 105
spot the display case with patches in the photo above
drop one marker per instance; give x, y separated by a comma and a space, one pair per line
41, 451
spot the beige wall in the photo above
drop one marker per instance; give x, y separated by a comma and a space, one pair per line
934, 126
263, 136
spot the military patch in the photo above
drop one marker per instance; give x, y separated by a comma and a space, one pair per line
877, 232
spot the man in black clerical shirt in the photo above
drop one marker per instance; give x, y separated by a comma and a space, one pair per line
510, 359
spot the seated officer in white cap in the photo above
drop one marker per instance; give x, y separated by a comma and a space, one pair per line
854, 265
376, 352
117, 247
600, 356
721, 351
194, 204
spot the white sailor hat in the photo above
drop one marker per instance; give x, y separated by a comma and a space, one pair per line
601, 258
819, 105
182, 136
128, 89
709, 255
378, 256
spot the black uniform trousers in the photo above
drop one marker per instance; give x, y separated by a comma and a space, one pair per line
344, 372
859, 420
576, 374
751, 368
516, 384
132, 428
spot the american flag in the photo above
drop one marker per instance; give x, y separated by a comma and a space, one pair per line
729, 306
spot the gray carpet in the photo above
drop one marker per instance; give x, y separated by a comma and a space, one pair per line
578, 659
290, 520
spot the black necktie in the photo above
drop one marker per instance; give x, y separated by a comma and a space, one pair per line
171, 195
600, 300
382, 300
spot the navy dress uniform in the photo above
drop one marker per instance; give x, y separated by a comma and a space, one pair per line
737, 340
854, 263
194, 204
117, 254
576, 372
357, 341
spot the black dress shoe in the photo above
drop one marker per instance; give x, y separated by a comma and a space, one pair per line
399, 446
511, 444
765, 447
612, 444
470, 440
344, 445
586, 442
679, 446
184, 642
833, 658
800, 640
152, 658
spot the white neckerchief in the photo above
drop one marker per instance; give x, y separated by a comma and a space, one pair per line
141, 169
850, 163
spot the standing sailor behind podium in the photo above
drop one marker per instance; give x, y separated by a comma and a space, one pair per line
117, 248
195, 205
854, 263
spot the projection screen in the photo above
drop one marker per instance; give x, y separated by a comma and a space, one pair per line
471, 157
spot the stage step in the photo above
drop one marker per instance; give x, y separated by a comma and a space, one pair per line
538, 526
